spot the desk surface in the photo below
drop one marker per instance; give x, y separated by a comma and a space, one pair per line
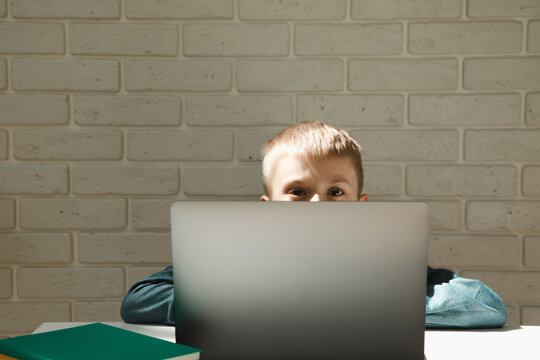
494, 344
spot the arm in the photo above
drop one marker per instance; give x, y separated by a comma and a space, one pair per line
456, 302
151, 300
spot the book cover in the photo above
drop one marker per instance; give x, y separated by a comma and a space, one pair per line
92, 342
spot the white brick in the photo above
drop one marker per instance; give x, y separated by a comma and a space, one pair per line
91, 9
7, 209
531, 251
125, 180
236, 40
222, 180
238, 110
457, 110
474, 251
489, 8
121, 248
31, 38
531, 181
405, 9
533, 39
32, 248
127, 110
5, 283
352, 110
512, 286
3, 144
178, 75
72, 213
33, 179
147, 214
465, 37
86, 311
123, 39
289, 75
3, 74
508, 144
403, 74
532, 109
461, 180
65, 74
34, 109
513, 317
250, 143
502, 73
398, 145
180, 145
356, 39
292, 9
58, 283
67, 145
382, 180
509, 216
179, 9
530, 315
25, 317
444, 215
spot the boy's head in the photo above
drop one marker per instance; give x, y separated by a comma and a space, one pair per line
313, 161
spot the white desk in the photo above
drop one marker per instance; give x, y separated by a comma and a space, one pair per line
507, 343
494, 344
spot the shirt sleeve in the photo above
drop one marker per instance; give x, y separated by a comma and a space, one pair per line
456, 302
151, 300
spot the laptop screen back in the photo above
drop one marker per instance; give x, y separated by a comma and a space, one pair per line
300, 280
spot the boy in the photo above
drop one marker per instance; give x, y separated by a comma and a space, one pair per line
313, 161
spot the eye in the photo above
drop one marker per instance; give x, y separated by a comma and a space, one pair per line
335, 192
297, 192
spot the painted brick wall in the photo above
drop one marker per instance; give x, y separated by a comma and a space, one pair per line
110, 110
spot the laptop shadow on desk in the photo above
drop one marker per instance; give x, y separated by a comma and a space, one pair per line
479, 330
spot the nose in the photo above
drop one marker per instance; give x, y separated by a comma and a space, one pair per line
315, 197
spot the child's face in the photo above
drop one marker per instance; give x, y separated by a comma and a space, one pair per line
303, 179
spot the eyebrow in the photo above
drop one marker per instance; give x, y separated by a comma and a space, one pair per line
293, 181
339, 179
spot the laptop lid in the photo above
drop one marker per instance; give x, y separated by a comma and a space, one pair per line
300, 280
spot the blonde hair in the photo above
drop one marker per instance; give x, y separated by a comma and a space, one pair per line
315, 140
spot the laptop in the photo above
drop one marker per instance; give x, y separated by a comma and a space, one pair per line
300, 280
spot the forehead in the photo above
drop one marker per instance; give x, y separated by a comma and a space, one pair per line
286, 167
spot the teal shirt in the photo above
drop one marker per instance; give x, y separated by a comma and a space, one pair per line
456, 302
451, 301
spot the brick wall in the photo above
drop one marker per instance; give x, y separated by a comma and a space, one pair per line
111, 109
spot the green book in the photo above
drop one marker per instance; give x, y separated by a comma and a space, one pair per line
94, 342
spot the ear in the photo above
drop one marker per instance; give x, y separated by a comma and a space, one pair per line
264, 198
363, 197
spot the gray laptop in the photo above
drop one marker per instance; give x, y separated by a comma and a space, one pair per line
299, 280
